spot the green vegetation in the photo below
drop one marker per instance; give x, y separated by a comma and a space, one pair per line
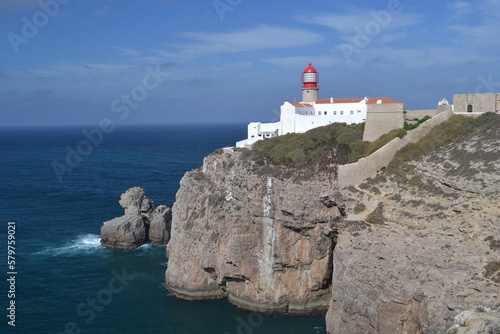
360, 207
494, 244
439, 136
336, 143
409, 127
492, 268
451, 331
353, 189
377, 216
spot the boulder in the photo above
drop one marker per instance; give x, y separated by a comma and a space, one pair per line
126, 232
140, 224
159, 225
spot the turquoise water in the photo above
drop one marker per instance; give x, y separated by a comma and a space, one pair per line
67, 283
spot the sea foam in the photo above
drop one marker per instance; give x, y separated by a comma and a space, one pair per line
87, 243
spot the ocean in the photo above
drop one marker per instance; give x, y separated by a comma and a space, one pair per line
57, 189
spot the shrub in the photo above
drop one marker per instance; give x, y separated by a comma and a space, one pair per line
359, 207
396, 197
353, 189
491, 271
337, 143
409, 127
377, 216
415, 181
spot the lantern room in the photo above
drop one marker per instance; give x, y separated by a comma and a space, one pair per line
310, 77
310, 89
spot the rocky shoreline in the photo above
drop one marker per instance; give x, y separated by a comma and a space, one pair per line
414, 249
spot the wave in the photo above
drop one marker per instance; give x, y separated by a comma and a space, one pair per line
87, 243
145, 246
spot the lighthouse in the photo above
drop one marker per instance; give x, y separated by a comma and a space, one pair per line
310, 89
313, 112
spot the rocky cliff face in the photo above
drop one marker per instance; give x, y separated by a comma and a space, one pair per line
428, 247
259, 235
141, 223
419, 246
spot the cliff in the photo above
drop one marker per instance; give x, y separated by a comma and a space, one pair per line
430, 244
405, 251
260, 235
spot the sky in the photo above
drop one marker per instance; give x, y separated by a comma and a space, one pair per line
77, 62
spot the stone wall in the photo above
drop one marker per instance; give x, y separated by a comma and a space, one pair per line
444, 107
353, 174
419, 114
382, 118
479, 102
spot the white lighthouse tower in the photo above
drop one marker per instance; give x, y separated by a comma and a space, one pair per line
310, 89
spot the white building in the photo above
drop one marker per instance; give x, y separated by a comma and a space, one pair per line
311, 112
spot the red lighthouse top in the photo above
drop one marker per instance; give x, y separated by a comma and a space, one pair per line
310, 77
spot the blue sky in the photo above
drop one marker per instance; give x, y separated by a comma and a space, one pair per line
75, 62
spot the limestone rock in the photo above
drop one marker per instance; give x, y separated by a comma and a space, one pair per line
126, 232
134, 201
437, 253
479, 320
159, 226
253, 235
140, 224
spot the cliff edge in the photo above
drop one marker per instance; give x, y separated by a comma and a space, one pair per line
260, 235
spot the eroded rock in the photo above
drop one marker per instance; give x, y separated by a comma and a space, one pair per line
159, 226
264, 242
140, 224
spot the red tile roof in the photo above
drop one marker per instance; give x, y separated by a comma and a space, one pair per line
301, 105
324, 101
383, 99
370, 101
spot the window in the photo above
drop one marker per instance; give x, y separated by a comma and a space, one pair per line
352, 112
342, 112
335, 112
469, 108
359, 111
325, 112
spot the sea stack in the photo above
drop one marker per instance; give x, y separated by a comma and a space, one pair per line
141, 223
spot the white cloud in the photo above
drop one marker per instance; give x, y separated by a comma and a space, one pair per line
298, 62
76, 73
126, 51
389, 38
420, 57
483, 32
459, 8
262, 37
347, 23
404, 41
484, 35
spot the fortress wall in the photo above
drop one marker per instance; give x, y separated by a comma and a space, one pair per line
419, 114
355, 173
382, 118
479, 102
